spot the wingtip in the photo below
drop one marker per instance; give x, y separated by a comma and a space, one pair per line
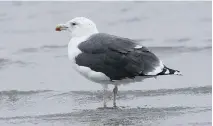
178, 73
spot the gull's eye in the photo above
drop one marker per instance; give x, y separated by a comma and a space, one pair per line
73, 23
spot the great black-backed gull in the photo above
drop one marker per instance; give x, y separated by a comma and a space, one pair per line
109, 59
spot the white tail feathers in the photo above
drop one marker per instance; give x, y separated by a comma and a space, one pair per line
168, 71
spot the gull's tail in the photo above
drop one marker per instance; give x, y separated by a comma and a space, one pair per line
168, 71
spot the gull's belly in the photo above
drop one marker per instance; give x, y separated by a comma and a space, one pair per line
92, 75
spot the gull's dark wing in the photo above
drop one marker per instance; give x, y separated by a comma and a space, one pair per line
117, 57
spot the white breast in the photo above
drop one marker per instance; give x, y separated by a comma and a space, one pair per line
73, 50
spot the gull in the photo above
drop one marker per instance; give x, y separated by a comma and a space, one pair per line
108, 59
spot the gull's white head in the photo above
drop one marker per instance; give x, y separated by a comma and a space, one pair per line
78, 27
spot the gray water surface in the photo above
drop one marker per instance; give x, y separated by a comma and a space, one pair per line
39, 87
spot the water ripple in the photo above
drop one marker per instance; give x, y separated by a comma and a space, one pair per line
81, 96
42, 48
16, 92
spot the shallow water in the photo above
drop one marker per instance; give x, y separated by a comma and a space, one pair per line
38, 86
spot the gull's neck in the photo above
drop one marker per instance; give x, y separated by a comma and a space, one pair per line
76, 40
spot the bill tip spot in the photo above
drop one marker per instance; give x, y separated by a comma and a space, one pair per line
58, 28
